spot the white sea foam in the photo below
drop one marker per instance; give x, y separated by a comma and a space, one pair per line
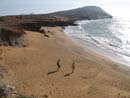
110, 35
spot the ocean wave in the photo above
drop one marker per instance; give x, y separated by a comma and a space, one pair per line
110, 34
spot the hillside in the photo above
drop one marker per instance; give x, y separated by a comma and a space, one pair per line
63, 18
88, 12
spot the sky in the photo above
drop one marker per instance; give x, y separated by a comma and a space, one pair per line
12, 7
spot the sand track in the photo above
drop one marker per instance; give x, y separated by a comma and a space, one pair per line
92, 76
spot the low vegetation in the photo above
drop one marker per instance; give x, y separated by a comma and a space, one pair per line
12, 37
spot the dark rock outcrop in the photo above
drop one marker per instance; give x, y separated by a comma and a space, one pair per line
36, 25
9, 91
43, 32
6, 91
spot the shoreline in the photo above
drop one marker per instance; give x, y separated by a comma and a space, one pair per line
85, 43
100, 51
96, 51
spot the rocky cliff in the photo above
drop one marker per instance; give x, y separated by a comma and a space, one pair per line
63, 18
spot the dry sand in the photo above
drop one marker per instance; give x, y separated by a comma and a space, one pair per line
94, 76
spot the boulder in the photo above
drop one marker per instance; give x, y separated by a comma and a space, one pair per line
42, 30
6, 90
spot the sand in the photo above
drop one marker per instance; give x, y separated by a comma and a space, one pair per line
92, 75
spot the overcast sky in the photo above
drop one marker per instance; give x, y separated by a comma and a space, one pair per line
10, 7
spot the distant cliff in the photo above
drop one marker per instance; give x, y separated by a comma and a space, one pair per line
62, 18
88, 12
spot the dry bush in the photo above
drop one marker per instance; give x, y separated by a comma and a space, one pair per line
11, 37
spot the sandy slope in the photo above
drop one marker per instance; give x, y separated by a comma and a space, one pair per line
93, 77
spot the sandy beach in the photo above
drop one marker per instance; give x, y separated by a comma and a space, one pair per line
56, 67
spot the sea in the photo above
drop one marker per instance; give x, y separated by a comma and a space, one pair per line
107, 37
